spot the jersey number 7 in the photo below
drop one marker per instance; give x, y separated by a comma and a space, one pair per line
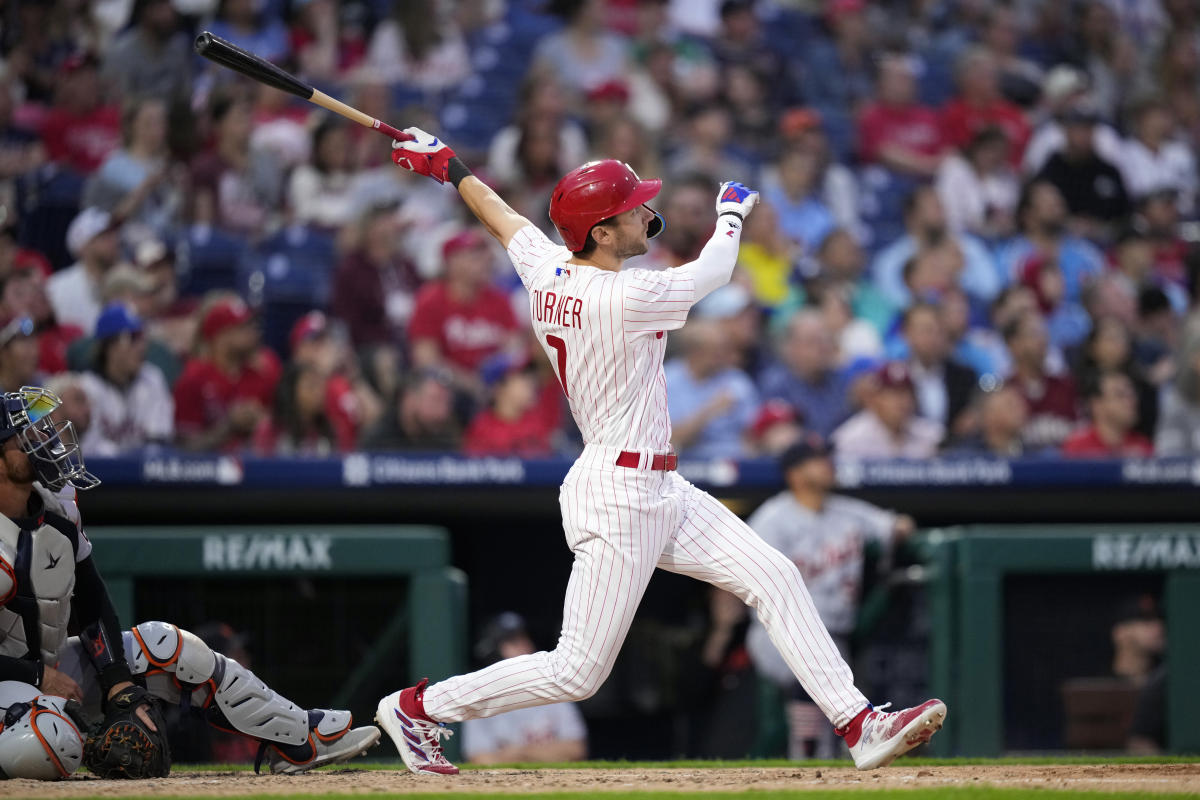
561, 348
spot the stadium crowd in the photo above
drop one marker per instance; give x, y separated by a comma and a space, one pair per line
979, 231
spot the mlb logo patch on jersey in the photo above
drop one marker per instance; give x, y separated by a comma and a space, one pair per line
559, 271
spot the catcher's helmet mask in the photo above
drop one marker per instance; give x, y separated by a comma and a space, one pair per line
52, 446
595, 193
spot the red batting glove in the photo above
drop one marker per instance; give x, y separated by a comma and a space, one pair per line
425, 154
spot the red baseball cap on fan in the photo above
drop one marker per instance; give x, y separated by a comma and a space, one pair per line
310, 326
470, 239
894, 375
224, 315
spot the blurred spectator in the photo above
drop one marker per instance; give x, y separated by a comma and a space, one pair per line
711, 402
130, 400
979, 105
733, 308
1066, 88
328, 38
280, 126
135, 183
1002, 414
23, 293
241, 187
1157, 217
419, 46
1133, 260
776, 428
806, 377
1156, 334
741, 45
825, 535
896, 130
247, 25
153, 57
1108, 55
584, 54
1019, 78
421, 419
1109, 348
375, 285
707, 146
301, 424
797, 199
21, 150
319, 192
856, 338
81, 129
1112, 406
687, 205
1042, 217
842, 260
838, 72
765, 255
543, 106
1066, 321
754, 127
1053, 407
461, 319
75, 292
1139, 646
512, 424
926, 231
889, 426
36, 45
552, 733
979, 188
804, 128
1178, 430
224, 395
351, 404
942, 386
18, 353
1091, 186
76, 407
1152, 160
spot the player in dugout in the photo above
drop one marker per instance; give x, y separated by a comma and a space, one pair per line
52, 685
626, 511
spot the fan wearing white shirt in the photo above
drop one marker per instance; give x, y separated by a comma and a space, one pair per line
1152, 161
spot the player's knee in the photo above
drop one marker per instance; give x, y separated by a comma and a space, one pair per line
580, 678
161, 645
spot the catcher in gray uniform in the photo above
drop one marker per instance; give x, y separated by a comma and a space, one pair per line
825, 535
51, 685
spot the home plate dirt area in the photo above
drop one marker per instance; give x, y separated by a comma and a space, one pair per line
1085, 778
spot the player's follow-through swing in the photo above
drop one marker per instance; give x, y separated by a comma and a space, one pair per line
625, 510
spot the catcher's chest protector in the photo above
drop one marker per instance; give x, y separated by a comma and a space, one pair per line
37, 576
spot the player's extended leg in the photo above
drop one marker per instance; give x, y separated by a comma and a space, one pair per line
714, 545
177, 666
616, 540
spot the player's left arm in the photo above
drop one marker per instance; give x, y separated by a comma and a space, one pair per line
714, 266
428, 155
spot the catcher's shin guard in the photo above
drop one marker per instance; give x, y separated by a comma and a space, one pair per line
177, 662
179, 666
40, 739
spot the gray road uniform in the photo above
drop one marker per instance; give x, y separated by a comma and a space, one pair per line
48, 580
828, 548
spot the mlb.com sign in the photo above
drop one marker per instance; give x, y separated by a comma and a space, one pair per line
1146, 551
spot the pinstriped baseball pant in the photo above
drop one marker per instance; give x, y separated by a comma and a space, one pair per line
622, 524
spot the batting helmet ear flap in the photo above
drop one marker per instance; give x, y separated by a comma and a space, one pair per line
656, 225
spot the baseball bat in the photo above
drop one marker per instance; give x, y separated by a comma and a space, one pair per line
227, 54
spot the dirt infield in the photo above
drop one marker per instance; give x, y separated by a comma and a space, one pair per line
1159, 778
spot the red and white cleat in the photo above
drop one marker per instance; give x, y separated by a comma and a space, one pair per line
877, 737
418, 738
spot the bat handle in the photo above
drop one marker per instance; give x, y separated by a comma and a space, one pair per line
383, 127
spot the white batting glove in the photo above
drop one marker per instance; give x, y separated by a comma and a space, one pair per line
424, 154
735, 198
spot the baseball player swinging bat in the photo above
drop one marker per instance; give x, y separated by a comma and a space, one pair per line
227, 54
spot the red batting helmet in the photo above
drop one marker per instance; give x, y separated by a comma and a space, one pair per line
593, 193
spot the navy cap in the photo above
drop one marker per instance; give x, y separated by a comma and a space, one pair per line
810, 446
115, 319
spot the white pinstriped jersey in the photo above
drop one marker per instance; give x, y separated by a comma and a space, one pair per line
605, 335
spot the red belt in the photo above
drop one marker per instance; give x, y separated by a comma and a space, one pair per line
659, 462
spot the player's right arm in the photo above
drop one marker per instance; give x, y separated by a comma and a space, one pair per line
428, 155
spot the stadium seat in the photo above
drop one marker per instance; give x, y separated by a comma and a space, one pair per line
286, 276
207, 259
48, 198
